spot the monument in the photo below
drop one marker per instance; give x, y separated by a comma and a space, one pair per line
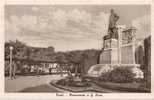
112, 29
118, 44
118, 48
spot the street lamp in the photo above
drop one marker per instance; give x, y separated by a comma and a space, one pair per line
11, 49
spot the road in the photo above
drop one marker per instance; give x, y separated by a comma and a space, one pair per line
32, 84
35, 84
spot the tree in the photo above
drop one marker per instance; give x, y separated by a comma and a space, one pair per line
18, 48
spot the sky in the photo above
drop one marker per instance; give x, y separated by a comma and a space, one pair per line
71, 27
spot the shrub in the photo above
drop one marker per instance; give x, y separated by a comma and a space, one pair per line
119, 75
62, 82
104, 77
122, 75
66, 81
79, 84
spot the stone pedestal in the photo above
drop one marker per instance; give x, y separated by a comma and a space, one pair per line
127, 54
109, 54
115, 51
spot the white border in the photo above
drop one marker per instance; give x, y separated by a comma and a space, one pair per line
120, 96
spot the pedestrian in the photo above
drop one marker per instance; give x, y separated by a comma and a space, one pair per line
37, 70
50, 67
32, 69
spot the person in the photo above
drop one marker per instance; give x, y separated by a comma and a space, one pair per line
40, 69
37, 70
24, 68
32, 69
112, 29
50, 68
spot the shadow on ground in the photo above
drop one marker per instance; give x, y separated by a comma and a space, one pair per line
41, 88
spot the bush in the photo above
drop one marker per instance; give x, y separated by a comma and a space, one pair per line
62, 82
104, 77
66, 81
119, 75
122, 75
79, 84
69, 81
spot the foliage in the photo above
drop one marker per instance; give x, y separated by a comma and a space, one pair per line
122, 75
17, 47
21, 50
80, 84
119, 75
104, 77
70, 81
82, 59
62, 82
147, 61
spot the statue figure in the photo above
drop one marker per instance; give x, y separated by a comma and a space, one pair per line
112, 29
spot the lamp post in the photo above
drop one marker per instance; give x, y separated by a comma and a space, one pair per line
11, 49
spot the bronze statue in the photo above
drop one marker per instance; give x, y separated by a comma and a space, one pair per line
112, 29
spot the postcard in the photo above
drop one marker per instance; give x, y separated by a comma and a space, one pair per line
89, 49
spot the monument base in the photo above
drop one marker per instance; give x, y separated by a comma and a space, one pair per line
109, 54
112, 55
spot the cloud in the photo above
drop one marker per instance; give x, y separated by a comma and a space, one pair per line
35, 9
28, 21
80, 16
58, 27
143, 26
59, 18
11, 30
